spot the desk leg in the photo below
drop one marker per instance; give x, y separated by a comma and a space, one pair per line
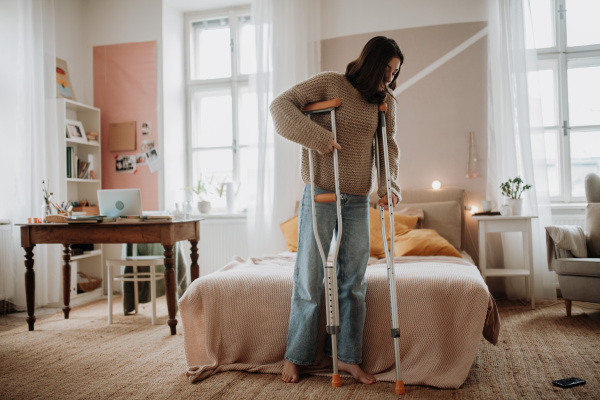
66, 270
195, 268
30, 286
482, 254
170, 285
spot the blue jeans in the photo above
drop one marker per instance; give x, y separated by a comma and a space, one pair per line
352, 259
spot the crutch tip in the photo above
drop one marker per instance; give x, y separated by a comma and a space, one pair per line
400, 387
336, 381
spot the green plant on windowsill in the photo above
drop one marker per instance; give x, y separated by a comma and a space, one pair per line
220, 188
514, 188
201, 189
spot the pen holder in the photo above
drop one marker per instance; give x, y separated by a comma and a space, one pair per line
56, 218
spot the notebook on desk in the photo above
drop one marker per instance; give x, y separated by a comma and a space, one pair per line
115, 203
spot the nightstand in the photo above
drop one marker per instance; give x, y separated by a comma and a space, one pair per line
514, 223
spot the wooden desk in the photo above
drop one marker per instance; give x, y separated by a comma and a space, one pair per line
163, 232
514, 223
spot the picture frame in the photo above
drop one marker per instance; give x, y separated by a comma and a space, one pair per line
75, 131
64, 88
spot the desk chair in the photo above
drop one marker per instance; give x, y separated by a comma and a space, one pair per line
135, 277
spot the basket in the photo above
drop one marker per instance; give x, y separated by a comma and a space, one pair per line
91, 284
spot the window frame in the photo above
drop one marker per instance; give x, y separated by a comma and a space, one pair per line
236, 83
560, 54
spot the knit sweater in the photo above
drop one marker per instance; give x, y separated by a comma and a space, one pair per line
356, 125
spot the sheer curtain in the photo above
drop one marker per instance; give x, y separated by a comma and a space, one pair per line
28, 140
288, 51
515, 136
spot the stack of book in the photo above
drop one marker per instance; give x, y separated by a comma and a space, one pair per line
77, 168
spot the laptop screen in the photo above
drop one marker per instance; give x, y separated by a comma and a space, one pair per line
120, 202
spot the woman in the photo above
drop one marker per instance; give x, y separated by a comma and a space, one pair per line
365, 85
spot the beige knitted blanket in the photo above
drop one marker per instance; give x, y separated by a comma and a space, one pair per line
237, 319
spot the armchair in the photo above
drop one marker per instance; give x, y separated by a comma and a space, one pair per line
574, 254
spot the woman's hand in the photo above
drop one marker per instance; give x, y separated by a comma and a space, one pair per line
333, 145
383, 202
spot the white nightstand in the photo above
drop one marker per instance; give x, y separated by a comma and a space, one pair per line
514, 223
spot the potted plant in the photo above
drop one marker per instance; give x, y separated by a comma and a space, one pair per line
201, 190
512, 190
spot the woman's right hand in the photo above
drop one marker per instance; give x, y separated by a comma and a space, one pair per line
333, 145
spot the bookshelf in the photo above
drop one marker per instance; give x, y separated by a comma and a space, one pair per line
80, 170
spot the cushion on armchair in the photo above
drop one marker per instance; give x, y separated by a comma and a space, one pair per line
566, 237
592, 227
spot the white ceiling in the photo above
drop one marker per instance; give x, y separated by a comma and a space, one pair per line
197, 5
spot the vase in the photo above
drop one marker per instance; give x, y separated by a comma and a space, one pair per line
230, 196
45, 212
204, 206
516, 206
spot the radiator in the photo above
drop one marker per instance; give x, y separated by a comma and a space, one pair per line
220, 240
6, 252
568, 219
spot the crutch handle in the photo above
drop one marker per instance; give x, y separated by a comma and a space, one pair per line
383, 107
325, 198
322, 105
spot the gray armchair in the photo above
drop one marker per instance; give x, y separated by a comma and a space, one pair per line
574, 254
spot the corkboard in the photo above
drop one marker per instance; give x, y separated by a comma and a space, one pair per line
121, 136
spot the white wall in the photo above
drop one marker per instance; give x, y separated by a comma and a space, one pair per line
350, 17
70, 32
174, 106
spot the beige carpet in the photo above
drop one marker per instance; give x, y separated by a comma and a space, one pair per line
84, 358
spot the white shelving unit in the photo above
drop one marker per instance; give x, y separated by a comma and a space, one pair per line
74, 188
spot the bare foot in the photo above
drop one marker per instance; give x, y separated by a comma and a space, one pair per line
356, 372
291, 372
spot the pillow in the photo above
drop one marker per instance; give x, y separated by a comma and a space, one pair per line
592, 229
402, 224
290, 233
445, 217
423, 242
415, 212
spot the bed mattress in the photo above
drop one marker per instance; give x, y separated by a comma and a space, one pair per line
237, 319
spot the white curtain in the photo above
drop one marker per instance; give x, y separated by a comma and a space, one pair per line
288, 51
516, 138
28, 139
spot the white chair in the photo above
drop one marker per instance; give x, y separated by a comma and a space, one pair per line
135, 277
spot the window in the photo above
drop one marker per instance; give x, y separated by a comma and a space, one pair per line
567, 37
222, 136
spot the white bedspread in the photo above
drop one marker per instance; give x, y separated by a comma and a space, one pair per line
237, 319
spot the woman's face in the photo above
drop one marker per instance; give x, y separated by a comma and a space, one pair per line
390, 71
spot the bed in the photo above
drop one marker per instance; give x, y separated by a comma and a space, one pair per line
237, 317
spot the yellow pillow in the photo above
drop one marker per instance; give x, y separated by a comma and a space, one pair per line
423, 242
290, 233
402, 224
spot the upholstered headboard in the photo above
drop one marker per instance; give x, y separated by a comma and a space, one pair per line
443, 210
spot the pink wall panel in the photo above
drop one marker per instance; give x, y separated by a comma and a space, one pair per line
125, 89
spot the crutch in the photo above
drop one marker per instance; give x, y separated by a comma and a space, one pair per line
389, 253
332, 309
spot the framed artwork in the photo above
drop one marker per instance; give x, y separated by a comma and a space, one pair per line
75, 131
63, 82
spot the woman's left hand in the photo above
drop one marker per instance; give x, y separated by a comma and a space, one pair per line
383, 202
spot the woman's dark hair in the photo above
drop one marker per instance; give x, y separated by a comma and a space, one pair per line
368, 70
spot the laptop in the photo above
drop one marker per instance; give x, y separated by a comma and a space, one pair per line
115, 203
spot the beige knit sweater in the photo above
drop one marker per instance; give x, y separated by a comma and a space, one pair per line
356, 125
